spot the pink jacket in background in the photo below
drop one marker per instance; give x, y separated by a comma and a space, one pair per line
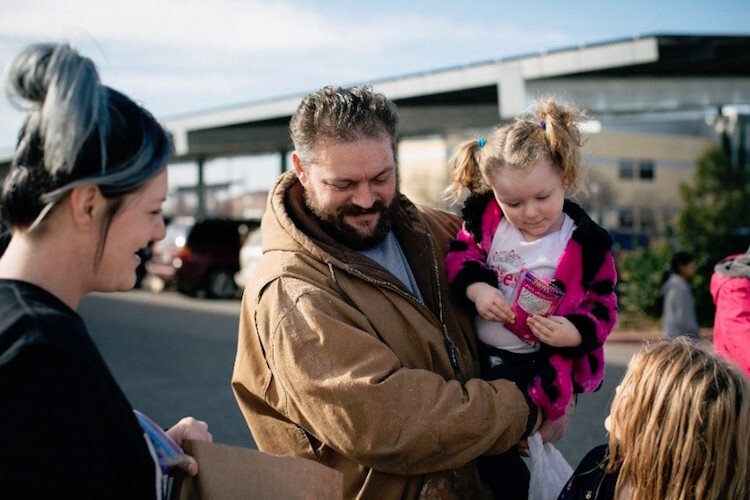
730, 288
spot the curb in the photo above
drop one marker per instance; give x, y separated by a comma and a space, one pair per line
630, 336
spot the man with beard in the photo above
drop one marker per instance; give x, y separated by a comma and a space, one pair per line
351, 350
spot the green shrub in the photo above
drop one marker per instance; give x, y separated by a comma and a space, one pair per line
715, 213
639, 278
712, 224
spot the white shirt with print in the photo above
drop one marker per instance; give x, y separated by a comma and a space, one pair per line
509, 253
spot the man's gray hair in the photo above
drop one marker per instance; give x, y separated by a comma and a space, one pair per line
342, 115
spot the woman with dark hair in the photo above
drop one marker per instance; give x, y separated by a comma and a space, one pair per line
678, 318
83, 195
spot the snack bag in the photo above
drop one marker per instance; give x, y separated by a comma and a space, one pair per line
532, 295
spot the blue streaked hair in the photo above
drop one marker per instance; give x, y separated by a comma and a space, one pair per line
76, 132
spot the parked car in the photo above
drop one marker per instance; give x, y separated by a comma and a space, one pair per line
199, 256
145, 255
140, 271
250, 254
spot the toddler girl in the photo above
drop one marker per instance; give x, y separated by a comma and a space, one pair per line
519, 230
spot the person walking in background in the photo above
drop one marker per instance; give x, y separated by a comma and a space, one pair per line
83, 195
679, 427
678, 316
522, 239
730, 289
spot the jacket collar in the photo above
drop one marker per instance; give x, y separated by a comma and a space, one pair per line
587, 232
289, 226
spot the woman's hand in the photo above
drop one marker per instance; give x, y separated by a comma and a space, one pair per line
189, 429
556, 331
490, 303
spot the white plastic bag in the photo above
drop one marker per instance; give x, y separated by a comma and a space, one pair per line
549, 470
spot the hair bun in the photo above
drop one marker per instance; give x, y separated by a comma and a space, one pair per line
27, 75
562, 114
71, 101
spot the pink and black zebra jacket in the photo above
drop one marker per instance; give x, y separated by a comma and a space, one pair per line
585, 271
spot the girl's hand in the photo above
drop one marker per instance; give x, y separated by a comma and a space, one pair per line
490, 303
556, 331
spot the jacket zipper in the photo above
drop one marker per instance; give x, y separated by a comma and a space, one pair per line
449, 345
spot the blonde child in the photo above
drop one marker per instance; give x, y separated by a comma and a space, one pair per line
517, 219
679, 427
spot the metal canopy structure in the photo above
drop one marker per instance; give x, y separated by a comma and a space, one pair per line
622, 78
660, 73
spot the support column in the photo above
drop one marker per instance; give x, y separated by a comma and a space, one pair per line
511, 90
284, 166
201, 189
725, 140
742, 141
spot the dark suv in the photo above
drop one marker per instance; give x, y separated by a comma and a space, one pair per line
199, 255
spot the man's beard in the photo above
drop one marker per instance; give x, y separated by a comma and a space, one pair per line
333, 223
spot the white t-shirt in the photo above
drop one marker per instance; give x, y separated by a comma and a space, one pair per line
509, 253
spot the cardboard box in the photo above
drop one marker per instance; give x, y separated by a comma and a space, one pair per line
230, 472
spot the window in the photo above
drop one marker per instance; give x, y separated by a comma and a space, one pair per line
626, 218
626, 169
610, 217
648, 219
646, 170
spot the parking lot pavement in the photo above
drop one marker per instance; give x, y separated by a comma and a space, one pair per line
621, 345
174, 354
177, 300
619, 353
618, 349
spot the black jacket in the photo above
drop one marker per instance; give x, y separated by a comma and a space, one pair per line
66, 428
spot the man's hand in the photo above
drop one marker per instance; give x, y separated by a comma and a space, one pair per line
556, 331
185, 429
490, 303
552, 432
522, 446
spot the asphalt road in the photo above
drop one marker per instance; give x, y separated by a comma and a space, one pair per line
173, 356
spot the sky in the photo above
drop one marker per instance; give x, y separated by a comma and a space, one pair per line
180, 56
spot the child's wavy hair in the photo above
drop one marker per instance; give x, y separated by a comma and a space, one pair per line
548, 133
680, 425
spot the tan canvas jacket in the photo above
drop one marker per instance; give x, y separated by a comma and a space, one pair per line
339, 363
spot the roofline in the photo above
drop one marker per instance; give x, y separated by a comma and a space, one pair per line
542, 64
569, 48
513, 58
510, 72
